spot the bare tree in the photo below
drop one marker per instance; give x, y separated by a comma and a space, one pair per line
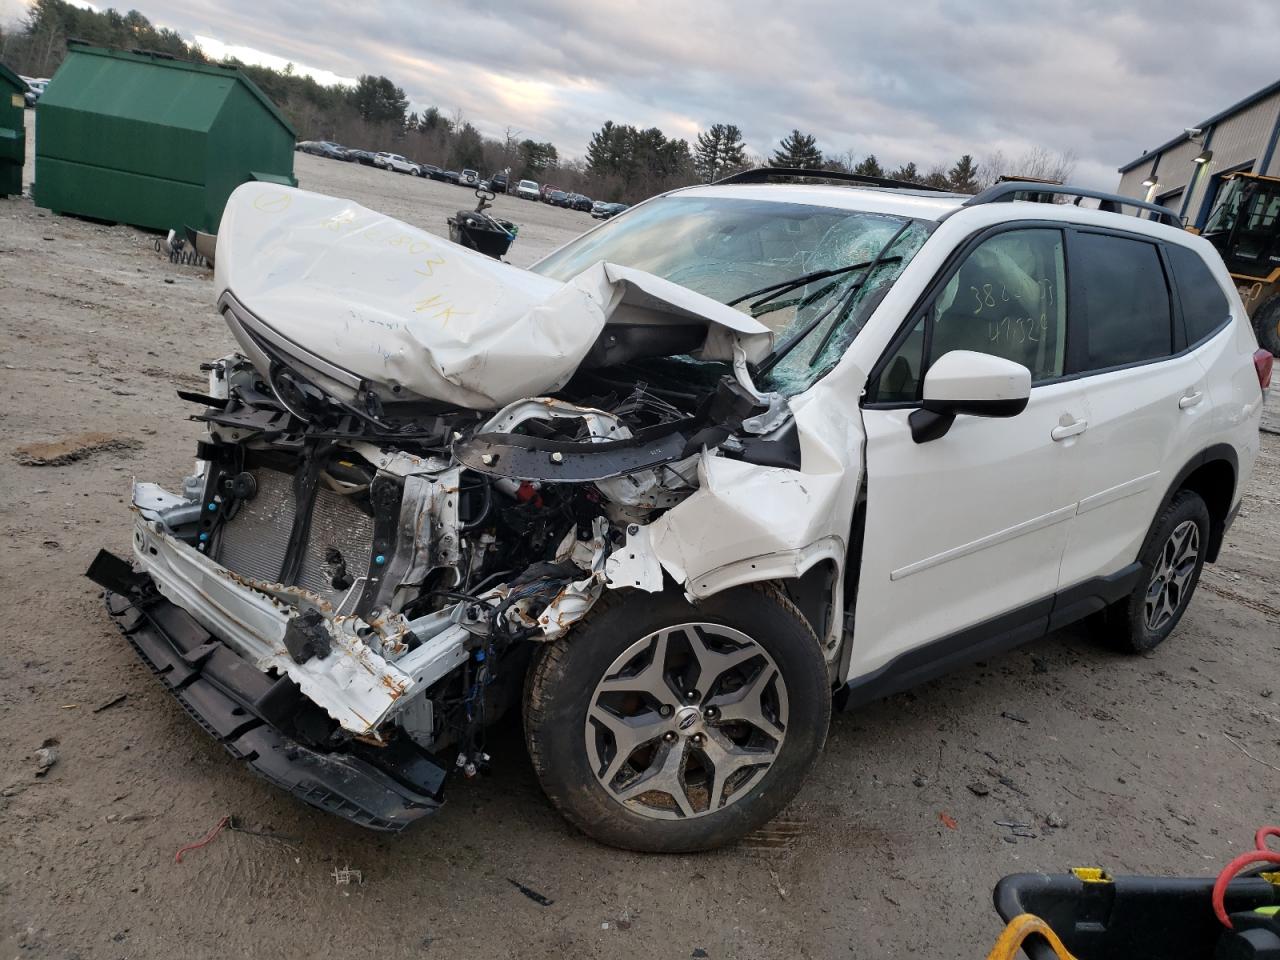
1037, 163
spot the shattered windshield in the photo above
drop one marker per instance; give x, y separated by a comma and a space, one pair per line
801, 270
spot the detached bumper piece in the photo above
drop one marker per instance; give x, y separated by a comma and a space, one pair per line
384, 788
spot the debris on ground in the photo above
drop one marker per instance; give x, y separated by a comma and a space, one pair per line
532, 894
979, 789
345, 877
46, 756
204, 841
1014, 717
58, 453
117, 699
948, 821
1055, 820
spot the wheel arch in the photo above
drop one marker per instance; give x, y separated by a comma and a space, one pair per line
812, 578
1212, 475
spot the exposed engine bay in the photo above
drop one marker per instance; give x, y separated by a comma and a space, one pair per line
387, 556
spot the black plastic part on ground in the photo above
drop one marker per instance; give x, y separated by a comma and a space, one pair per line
1128, 918
384, 788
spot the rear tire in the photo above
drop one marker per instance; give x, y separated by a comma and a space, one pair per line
1171, 558
1266, 324
665, 727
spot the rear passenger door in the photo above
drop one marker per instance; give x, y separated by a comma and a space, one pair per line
1146, 395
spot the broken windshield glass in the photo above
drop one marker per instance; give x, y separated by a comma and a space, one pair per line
784, 263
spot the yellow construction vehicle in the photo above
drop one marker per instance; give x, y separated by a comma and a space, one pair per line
1245, 227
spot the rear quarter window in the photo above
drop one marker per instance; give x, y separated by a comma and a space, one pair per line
1205, 309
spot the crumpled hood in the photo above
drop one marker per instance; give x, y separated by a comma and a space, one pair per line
410, 311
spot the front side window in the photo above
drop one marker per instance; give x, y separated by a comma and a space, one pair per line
1007, 298
801, 270
1125, 302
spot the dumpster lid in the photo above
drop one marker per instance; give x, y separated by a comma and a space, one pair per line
16, 81
210, 69
277, 178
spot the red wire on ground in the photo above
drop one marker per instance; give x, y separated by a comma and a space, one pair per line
1260, 854
212, 835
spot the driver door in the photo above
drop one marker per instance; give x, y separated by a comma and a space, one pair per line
964, 534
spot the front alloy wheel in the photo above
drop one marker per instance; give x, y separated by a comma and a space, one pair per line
685, 720
662, 726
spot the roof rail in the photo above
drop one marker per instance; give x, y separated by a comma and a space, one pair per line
1110, 202
765, 174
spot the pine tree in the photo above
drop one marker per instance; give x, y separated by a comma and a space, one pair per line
798, 150
870, 167
718, 150
907, 173
964, 175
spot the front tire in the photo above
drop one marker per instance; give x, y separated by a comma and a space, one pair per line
1171, 558
665, 727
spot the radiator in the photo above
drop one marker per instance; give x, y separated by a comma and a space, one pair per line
253, 542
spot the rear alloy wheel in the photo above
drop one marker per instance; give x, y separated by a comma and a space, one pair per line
1171, 560
665, 727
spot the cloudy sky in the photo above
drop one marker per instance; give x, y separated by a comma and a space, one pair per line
923, 81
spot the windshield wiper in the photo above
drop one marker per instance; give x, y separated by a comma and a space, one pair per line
777, 289
778, 353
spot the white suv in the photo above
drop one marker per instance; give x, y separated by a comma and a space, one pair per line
396, 163
752, 449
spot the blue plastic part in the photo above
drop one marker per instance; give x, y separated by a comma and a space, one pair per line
204, 537
379, 559
212, 507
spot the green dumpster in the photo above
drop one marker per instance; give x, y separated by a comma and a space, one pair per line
13, 132
152, 141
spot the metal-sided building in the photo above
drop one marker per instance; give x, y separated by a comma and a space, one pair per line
152, 141
1186, 173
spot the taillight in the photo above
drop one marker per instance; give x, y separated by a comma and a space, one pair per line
1263, 361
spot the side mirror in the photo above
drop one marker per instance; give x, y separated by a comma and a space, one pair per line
964, 381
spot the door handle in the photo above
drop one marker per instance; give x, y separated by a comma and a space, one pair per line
1190, 398
1072, 429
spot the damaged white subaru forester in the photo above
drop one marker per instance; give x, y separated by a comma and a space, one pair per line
745, 451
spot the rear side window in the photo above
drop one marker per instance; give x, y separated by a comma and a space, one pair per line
1125, 301
1204, 305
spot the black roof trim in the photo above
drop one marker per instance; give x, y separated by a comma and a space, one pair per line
1247, 102
765, 174
1110, 202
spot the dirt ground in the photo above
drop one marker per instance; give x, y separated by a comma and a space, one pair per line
1129, 755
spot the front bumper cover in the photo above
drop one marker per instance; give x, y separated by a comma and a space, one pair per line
382, 788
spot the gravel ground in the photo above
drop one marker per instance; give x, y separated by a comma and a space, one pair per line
1130, 755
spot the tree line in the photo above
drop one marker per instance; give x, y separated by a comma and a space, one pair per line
622, 162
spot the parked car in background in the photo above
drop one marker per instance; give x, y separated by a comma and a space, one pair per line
35, 89
528, 190
498, 183
547, 190
396, 163
598, 206
609, 210
452, 176
323, 148
557, 198
428, 170
578, 202
469, 178
361, 156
